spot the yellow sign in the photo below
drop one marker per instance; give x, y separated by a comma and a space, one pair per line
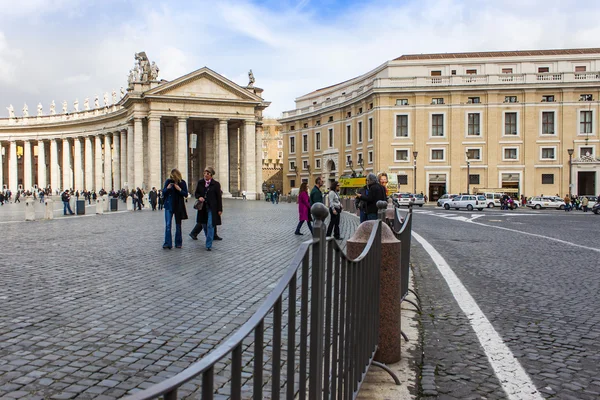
352, 182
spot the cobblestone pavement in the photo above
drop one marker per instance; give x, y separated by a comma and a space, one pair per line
93, 307
540, 295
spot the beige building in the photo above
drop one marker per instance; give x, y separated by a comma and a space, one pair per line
272, 155
136, 139
450, 123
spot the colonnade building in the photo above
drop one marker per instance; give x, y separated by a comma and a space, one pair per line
197, 120
448, 123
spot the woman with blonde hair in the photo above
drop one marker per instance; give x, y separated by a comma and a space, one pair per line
175, 191
303, 208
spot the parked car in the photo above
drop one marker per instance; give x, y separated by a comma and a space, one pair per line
445, 198
418, 200
539, 202
405, 199
468, 201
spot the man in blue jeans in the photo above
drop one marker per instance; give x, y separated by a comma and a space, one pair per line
66, 206
375, 193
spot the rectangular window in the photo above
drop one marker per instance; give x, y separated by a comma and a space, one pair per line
360, 158
370, 128
292, 144
280, 154
318, 123
348, 114
370, 106
507, 70
401, 155
305, 125
580, 68
474, 154
360, 110
304, 164
510, 99
547, 179
437, 125
474, 179
437, 100
542, 70
548, 123
473, 100
264, 144
292, 165
436, 73
317, 141
510, 154
548, 98
548, 153
585, 122
402, 179
280, 144
292, 128
370, 157
360, 132
348, 135
586, 97
317, 164
330, 134
265, 155
437, 154
471, 72
330, 119
473, 124
292, 183
304, 143
401, 125
586, 151
510, 123
348, 160
401, 102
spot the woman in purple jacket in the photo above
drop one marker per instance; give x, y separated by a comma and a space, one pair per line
303, 208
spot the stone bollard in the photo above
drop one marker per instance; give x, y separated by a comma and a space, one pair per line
100, 205
129, 203
390, 296
49, 209
106, 202
29, 209
73, 204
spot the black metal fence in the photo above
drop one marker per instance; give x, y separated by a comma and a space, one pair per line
314, 337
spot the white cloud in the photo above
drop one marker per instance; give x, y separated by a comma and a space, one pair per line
292, 51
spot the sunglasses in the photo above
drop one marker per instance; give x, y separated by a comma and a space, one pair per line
207, 172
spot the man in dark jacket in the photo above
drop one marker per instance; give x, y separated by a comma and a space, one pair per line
208, 191
153, 195
316, 196
66, 196
375, 193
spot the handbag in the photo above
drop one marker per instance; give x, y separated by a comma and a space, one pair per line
198, 205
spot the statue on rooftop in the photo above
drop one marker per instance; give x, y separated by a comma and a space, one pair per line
154, 71
96, 102
11, 111
40, 110
86, 104
76, 105
251, 79
114, 96
64, 107
25, 111
122, 92
52, 108
105, 98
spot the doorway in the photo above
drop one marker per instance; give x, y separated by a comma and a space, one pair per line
436, 190
586, 183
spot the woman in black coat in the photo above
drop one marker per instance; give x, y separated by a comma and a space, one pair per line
208, 191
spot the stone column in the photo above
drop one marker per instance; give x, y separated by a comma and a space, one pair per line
138, 153
130, 156
13, 177
66, 165
209, 146
117, 160
78, 164
107, 164
89, 164
234, 185
98, 181
54, 166
223, 151
42, 181
182, 148
154, 159
123, 158
258, 157
27, 165
1, 166
249, 165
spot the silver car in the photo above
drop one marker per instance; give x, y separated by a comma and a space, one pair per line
468, 201
445, 198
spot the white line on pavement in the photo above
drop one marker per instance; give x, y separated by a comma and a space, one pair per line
513, 378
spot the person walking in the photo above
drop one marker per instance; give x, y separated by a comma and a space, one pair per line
208, 192
316, 196
303, 209
335, 211
140, 198
375, 193
175, 191
584, 203
567, 201
153, 196
66, 197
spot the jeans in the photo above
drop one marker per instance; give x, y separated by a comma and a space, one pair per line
168, 238
300, 226
209, 229
363, 216
67, 207
334, 224
372, 217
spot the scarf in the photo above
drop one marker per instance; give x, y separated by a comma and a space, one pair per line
207, 183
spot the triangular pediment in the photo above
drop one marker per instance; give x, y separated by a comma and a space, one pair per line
203, 83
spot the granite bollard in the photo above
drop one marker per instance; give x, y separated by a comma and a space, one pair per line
100, 205
49, 208
390, 296
129, 203
29, 209
105, 203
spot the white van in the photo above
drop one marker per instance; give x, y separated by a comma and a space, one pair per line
493, 199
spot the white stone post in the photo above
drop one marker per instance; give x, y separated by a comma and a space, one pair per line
48, 208
29, 209
249, 165
223, 151
66, 165
54, 166
1, 167
42, 180
78, 164
107, 164
13, 183
98, 163
138, 153
123, 159
27, 166
100, 205
116, 160
130, 156
182, 148
154, 159
89, 164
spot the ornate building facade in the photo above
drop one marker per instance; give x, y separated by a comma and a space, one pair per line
448, 123
196, 120
272, 155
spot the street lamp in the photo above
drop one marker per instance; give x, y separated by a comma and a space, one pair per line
361, 163
570, 151
295, 168
415, 154
468, 173
351, 169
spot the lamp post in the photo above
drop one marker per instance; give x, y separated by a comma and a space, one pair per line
415, 154
351, 169
468, 173
361, 163
570, 151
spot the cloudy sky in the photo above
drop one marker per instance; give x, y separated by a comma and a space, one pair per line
66, 49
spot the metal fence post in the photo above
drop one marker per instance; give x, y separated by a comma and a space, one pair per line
315, 383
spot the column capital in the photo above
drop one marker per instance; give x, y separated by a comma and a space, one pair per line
182, 118
154, 117
249, 122
223, 120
